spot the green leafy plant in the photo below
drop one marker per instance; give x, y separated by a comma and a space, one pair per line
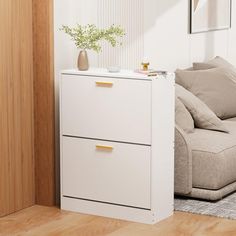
89, 36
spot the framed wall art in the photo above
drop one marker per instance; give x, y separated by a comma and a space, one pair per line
209, 15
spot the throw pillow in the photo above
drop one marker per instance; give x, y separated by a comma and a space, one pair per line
203, 117
214, 63
182, 117
215, 87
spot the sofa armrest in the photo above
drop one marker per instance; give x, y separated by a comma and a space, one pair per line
183, 163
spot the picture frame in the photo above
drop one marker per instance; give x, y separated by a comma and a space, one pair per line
210, 15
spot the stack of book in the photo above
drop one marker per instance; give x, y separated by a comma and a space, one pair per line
150, 72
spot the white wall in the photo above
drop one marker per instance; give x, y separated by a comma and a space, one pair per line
168, 43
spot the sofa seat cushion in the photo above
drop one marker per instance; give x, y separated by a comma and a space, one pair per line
214, 157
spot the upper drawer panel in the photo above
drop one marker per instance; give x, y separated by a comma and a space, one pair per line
106, 108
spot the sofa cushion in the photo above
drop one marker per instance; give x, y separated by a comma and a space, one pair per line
214, 63
182, 117
203, 117
232, 119
215, 87
214, 157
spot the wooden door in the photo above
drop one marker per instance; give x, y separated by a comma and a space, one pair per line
16, 106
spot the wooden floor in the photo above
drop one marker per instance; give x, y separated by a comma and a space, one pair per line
48, 221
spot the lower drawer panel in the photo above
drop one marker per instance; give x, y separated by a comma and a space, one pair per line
106, 171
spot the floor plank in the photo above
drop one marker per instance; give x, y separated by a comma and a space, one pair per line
51, 221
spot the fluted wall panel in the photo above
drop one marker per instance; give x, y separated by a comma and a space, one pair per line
130, 17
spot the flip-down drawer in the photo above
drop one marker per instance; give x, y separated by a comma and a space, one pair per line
106, 108
107, 172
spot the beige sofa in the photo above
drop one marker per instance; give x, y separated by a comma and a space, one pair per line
205, 158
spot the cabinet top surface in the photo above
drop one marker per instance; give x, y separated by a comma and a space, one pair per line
102, 72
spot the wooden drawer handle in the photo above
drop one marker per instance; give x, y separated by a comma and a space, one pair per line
105, 148
104, 84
